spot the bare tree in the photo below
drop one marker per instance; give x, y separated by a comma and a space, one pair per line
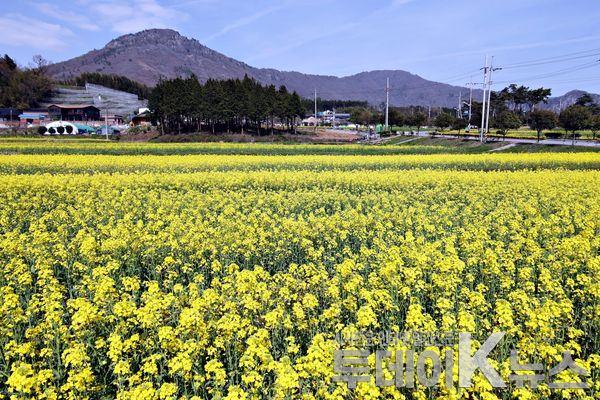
40, 64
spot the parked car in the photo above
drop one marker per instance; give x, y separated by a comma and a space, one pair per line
112, 130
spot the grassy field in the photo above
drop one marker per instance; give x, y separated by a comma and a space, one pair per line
401, 145
528, 134
446, 145
225, 271
62, 146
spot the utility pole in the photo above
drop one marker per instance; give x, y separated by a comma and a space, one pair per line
489, 101
470, 84
105, 116
485, 78
315, 103
387, 105
316, 109
489, 92
459, 109
429, 113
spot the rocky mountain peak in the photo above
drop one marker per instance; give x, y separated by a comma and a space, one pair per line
150, 55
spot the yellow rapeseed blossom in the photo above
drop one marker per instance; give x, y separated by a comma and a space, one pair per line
211, 275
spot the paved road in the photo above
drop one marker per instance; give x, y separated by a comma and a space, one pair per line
554, 142
385, 139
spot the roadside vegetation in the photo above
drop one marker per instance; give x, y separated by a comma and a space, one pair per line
20, 87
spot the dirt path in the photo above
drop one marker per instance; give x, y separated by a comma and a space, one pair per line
508, 146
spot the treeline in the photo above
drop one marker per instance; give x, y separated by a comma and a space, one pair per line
520, 98
584, 114
398, 116
23, 87
510, 108
517, 100
516, 106
510, 113
116, 82
234, 105
338, 105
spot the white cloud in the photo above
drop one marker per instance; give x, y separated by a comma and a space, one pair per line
72, 19
130, 16
490, 50
308, 37
396, 3
194, 2
244, 21
272, 51
18, 30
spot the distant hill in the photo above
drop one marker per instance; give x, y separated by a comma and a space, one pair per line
561, 102
149, 55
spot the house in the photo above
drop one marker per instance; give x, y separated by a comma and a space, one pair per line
144, 118
74, 112
9, 114
333, 117
114, 119
33, 118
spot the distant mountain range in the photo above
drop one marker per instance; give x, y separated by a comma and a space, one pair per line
560, 102
153, 54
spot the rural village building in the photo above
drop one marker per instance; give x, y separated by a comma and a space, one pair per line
74, 112
33, 118
9, 114
113, 119
144, 118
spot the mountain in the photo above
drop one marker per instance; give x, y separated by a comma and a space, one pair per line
148, 55
151, 54
561, 102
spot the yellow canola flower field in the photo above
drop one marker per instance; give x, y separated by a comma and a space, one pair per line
228, 276
56, 163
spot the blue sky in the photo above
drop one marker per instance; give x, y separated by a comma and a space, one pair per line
443, 40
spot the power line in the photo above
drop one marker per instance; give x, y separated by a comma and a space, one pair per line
459, 77
554, 73
470, 84
455, 78
378, 91
575, 80
554, 58
425, 83
551, 62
